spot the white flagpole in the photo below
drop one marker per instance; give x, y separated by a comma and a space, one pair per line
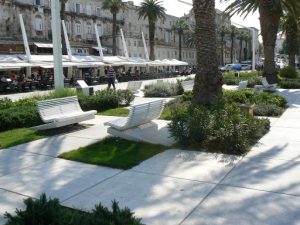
25, 41
56, 38
67, 40
124, 44
99, 42
145, 47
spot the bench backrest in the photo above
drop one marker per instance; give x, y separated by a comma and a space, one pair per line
243, 85
265, 82
144, 113
51, 109
134, 85
187, 85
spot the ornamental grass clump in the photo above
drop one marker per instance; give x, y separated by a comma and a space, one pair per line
164, 89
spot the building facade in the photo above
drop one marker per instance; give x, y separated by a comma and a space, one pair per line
80, 18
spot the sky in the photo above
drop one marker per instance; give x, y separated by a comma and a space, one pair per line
179, 9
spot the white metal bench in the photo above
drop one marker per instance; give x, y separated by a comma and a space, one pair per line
187, 85
134, 85
138, 115
243, 85
267, 86
61, 112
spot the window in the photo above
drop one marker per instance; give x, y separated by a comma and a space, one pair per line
78, 8
39, 2
67, 7
68, 26
98, 11
100, 30
78, 28
38, 23
89, 29
89, 10
134, 43
129, 43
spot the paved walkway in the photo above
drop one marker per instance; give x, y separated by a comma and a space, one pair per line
174, 187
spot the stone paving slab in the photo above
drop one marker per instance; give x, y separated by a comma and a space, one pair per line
156, 199
279, 134
265, 174
12, 161
278, 150
288, 123
235, 206
55, 145
57, 178
9, 202
190, 165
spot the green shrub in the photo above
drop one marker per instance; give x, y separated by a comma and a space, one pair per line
267, 110
45, 211
288, 72
5, 103
125, 97
269, 98
220, 128
290, 84
165, 89
18, 117
61, 93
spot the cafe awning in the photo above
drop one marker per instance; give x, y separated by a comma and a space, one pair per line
43, 45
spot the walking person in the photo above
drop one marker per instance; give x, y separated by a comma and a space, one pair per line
111, 76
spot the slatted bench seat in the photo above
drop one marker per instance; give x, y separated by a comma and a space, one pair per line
62, 112
267, 86
138, 115
134, 85
187, 85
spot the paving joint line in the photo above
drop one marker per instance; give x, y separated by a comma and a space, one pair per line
210, 192
94, 185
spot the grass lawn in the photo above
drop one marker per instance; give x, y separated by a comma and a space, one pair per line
115, 112
18, 136
23, 135
114, 152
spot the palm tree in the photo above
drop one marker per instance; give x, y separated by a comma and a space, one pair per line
241, 36
62, 17
208, 80
247, 38
152, 10
270, 12
180, 26
114, 6
289, 25
222, 32
189, 37
232, 32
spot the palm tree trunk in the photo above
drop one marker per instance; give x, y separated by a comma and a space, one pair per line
241, 46
222, 51
269, 24
151, 40
291, 40
246, 51
62, 17
208, 80
231, 50
180, 39
114, 34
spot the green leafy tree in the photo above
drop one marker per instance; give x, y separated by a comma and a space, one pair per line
114, 6
208, 80
189, 37
270, 13
180, 26
153, 11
